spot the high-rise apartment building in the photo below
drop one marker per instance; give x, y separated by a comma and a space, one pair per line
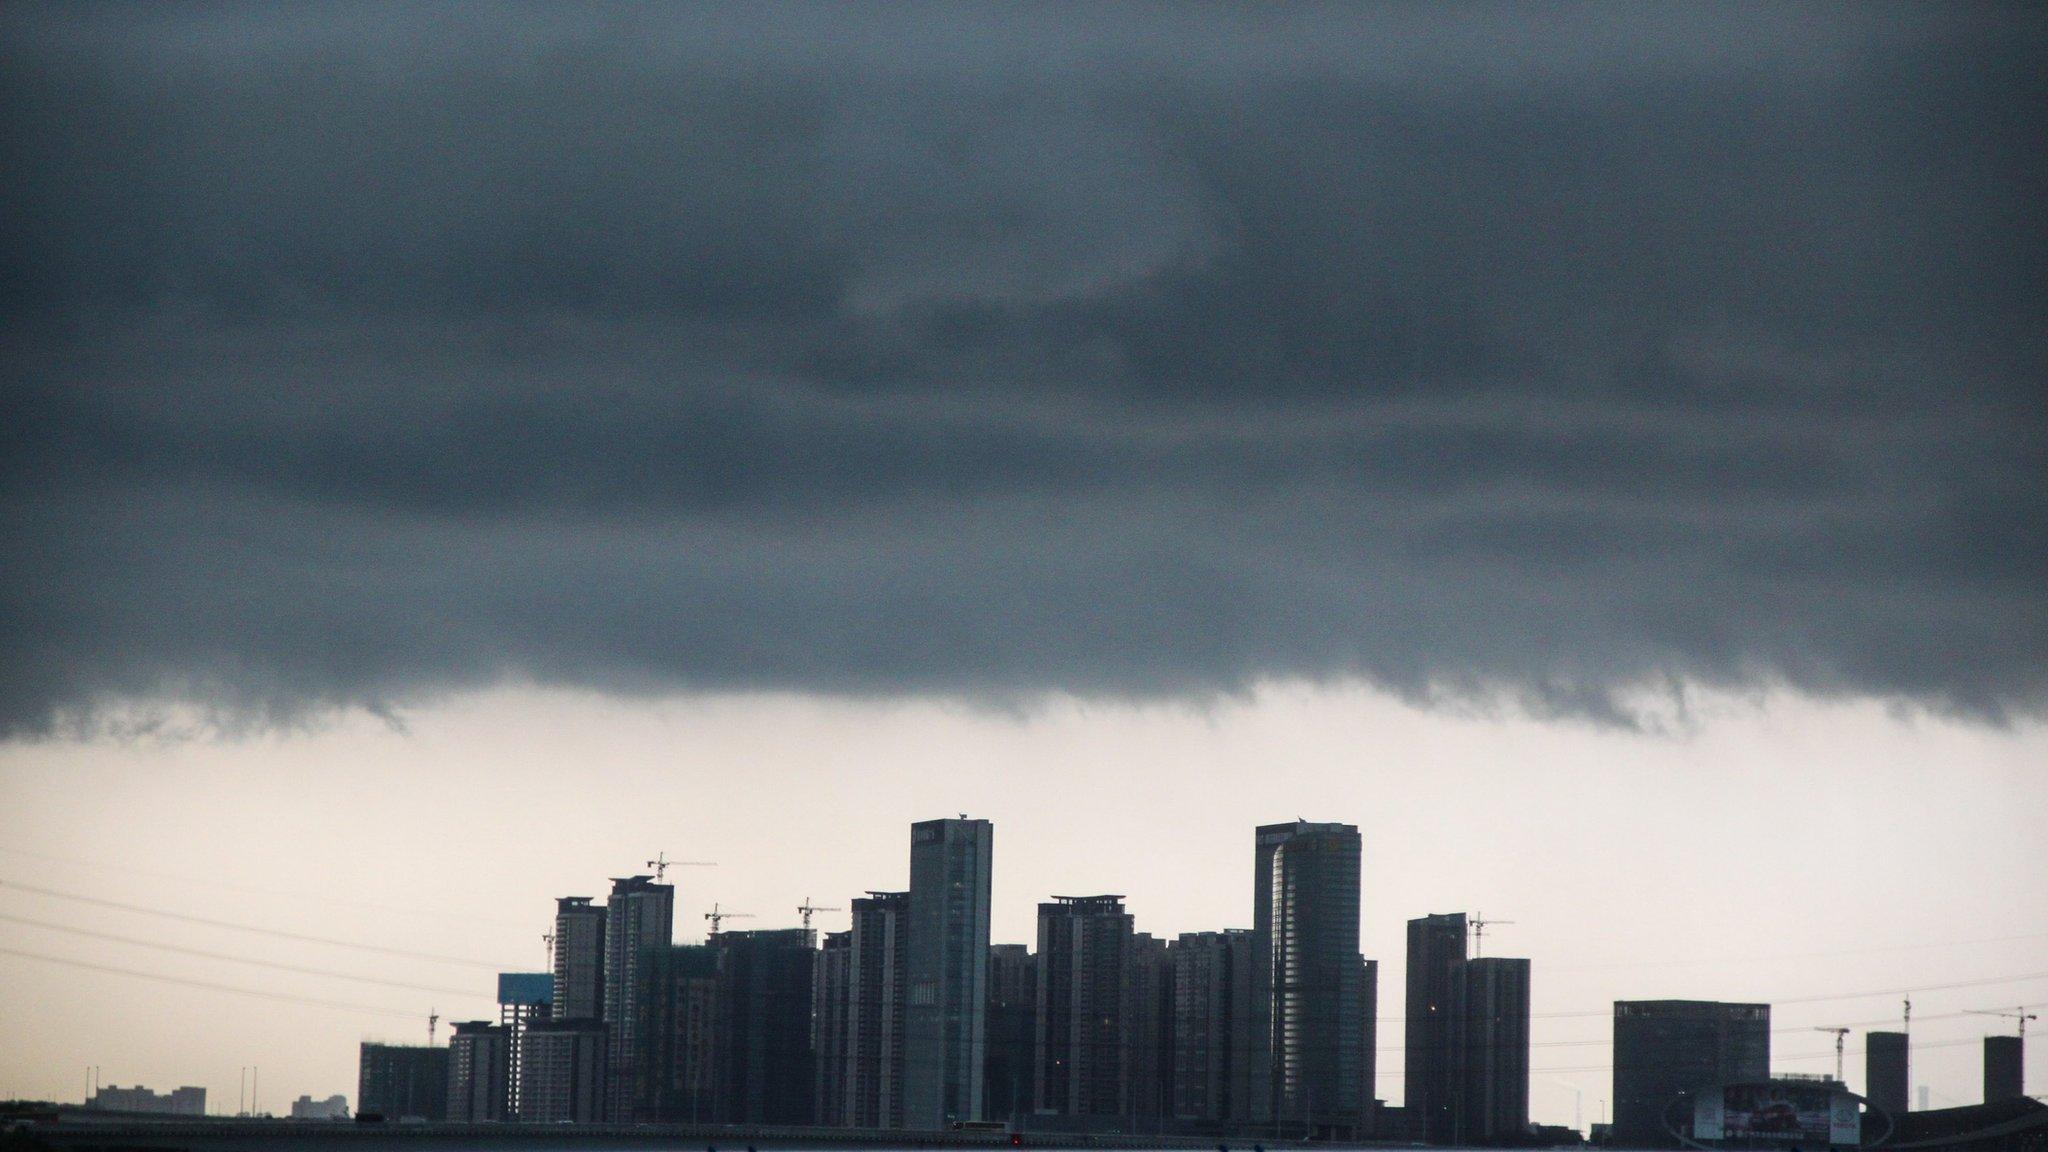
1305, 925
479, 1063
402, 1081
764, 1062
523, 997
1007, 1070
1491, 1016
1369, 1020
878, 993
675, 1034
1666, 1048
562, 1071
1148, 1032
946, 1014
831, 1005
1436, 949
579, 959
1084, 943
1885, 1071
639, 917
1213, 1032
2005, 1068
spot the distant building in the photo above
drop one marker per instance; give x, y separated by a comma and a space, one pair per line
332, 1108
562, 1072
1666, 1048
523, 997
1213, 1032
479, 1064
178, 1102
401, 1081
2005, 1068
1369, 1019
764, 1071
1885, 1071
946, 1014
831, 1001
877, 1007
1436, 949
639, 916
1305, 924
1148, 1033
579, 959
1012, 1041
1083, 945
1491, 1015
676, 1034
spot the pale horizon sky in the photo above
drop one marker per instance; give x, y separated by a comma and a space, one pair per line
1778, 849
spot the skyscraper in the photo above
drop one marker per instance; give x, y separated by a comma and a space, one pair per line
877, 989
675, 1034
1305, 913
831, 1007
1012, 1043
946, 1014
1148, 1032
1885, 1071
1084, 943
639, 917
523, 997
1665, 1048
1436, 948
1369, 994
399, 1081
1491, 1015
579, 959
561, 1071
764, 1069
1213, 1035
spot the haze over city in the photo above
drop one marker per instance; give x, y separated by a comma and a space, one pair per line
454, 455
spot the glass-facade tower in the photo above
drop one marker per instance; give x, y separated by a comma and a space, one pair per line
946, 1013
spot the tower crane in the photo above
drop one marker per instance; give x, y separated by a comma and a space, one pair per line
806, 908
1478, 923
1841, 1034
433, 1022
548, 940
2020, 1014
661, 864
718, 916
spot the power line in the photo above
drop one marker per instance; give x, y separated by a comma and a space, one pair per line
250, 960
229, 886
1830, 998
1797, 955
256, 929
209, 985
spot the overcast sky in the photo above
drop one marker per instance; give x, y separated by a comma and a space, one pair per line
448, 453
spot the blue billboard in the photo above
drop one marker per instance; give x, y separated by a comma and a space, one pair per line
525, 987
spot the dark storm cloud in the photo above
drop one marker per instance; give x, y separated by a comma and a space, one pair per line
1556, 353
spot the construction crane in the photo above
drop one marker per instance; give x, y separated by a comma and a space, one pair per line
548, 939
718, 916
1479, 923
806, 908
1841, 1034
661, 864
2020, 1014
433, 1021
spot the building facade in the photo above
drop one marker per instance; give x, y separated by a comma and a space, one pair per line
675, 1034
1007, 1069
639, 918
1306, 927
479, 1068
946, 1011
1148, 1033
2005, 1068
1436, 949
878, 993
402, 1081
1667, 1048
1084, 943
1885, 1074
832, 1000
1213, 1033
187, 1101
523, 997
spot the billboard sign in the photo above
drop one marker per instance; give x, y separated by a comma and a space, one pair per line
525, 987
1798, 1112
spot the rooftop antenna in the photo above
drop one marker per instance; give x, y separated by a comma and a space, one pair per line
1478, 924
661, 864
1841, 1034
718, 916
